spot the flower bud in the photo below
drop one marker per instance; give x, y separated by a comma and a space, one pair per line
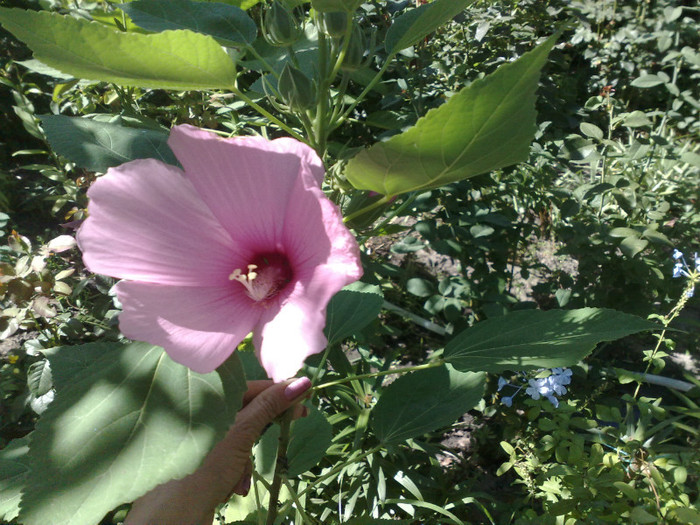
355, 52
333, 23
281, 26
296, 89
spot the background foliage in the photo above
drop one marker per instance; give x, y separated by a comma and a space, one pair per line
590, 219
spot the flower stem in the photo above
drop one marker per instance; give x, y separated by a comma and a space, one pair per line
321, 120
257, 477
337, 122
280, 465
424, 366
375, 204
343, 50
267, 114
335, 470
262, 60
666, 320
396, 211
306, 519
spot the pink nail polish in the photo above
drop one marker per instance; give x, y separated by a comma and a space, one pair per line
297, 388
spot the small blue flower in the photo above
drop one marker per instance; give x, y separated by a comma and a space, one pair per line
548, 387
681, 269
678, 270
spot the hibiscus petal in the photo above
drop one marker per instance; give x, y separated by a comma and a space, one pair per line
293, 330
246, 181
148, 223
198, 327
285, 337
314, 235
325, 257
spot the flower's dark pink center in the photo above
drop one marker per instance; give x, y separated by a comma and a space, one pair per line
267, 276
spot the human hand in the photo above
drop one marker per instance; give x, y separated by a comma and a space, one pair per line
193, 499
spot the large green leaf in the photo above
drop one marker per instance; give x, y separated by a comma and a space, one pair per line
348, 6
309, 439
14, 468
243, 4
351, 309
424, 401
487, 125
229, 24
172, 59
130, 420
100, 144
539, 339
96, 145
418, 23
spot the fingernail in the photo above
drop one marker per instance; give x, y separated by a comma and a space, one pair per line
297, 388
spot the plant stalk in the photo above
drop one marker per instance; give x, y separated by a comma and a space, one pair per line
280, 466
424, 366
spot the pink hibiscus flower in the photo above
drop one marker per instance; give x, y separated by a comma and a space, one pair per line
243, 240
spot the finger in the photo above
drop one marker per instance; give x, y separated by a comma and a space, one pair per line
243, 486
227, 461
300, 411
254, 388
264, 408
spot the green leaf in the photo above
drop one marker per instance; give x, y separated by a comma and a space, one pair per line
348, 6
691, 158
623, 231
424, 401
39, 380
647, 81
130, 420
243, 4
657, 237
73, 361
310, 437
633, 245
38, 67
640, 515
253, 505
481, 230
636, 119
228, 24
537, 339
686, 515
591, 130
96, 145
84, 49
487, 125
418, 23
420, 287
351, 309
14, 468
